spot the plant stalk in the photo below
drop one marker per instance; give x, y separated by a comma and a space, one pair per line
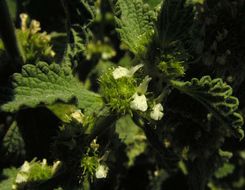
7, 32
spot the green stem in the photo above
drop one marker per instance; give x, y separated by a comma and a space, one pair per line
200, 171
168, 158
66, 59
68, 19
7, 32
101, 125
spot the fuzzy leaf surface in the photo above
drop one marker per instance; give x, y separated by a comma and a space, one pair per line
8, 178
47, 84
132, 136
217, 97
13, 142
174, 21
135, 24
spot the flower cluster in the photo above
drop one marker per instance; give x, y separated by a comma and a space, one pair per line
93, 165
124, 93
34, 42
35, 171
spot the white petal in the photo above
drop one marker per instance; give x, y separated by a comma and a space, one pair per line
44, 162
135, 68
139, 102
157, 112
142, 88
120, 72
25, 167
78, 116
56, 166
21, 178
101, 171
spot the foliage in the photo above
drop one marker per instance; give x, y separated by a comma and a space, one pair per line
136, 25
132, 136
216, 96
7, 178
35, 86
35, 44
142, 94
13, 146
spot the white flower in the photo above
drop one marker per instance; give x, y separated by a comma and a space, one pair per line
56, 166
120, 72
22, 175
44, 162
139, 102
78, 116
25, 167
157, 112
23, 18
21, 178
35, 26
101, 171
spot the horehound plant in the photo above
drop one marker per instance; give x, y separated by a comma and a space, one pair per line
137, 93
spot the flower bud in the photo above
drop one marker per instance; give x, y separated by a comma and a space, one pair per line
157, 112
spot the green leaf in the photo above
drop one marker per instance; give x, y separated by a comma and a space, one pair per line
132, 136
217, 97
80, 17
153, 3
12, 5
47, 84
75, 47
89, 6
136, 26
196, 1
172, 67
63, 111
13, 143
7, 178
224, 170
174, 21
